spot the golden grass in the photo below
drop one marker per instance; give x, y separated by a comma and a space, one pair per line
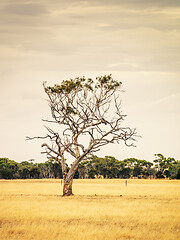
101, 209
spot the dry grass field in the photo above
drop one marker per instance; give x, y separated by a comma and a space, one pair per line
100, 210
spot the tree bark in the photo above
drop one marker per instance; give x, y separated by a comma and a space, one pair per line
68, 179
67, 188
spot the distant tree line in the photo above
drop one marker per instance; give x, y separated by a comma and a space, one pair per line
94, 167
10, 169
109, 167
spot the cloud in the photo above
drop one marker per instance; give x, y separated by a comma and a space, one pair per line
125, 66
95, 35
156, 20
137, 3
25, 9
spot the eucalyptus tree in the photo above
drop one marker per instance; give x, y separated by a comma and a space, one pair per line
166, 166
90, 117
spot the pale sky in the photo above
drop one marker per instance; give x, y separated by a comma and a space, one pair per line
138, 41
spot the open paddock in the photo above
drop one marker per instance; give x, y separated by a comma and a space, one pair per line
100, 209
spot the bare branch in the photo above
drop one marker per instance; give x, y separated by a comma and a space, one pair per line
89, 108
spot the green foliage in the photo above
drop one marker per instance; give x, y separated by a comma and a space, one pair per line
109, 167
107, 82
7, 168
159, 174
166, 167
77, 84
94, 167
10, 169
50, 169
178, 174
34, 172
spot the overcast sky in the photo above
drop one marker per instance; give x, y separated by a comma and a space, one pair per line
138, 41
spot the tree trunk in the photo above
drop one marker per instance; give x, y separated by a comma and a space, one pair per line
67, 188
68, 179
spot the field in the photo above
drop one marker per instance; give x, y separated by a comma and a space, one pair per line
101, 209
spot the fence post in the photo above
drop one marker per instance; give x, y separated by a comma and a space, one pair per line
126, 183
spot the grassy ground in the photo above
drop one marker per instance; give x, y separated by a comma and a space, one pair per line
101, 209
